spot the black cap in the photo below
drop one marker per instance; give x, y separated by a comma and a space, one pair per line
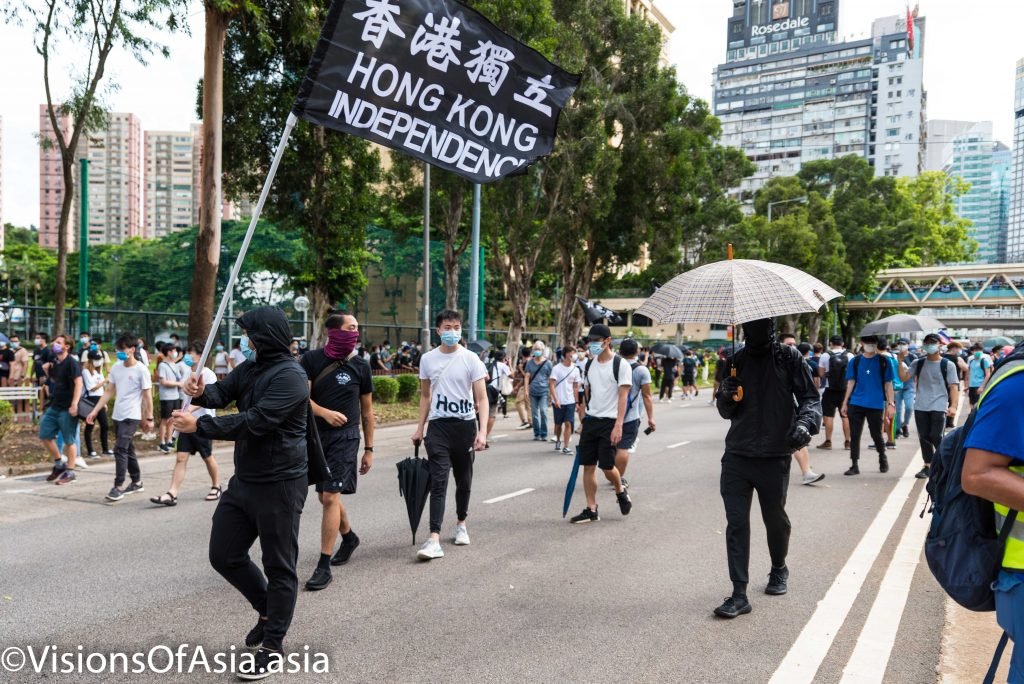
599, 332
628, 347
869, 338
883, 343
94, 356
931, 337
837, 340
804, 348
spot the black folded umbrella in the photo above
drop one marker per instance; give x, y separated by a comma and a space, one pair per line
665, 349
478, 346
414, 485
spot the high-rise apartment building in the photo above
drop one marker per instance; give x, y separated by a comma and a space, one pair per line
648, 10
941, 134
171, 182
51, 183
115, 179
790, 93
984, 164
1015, 233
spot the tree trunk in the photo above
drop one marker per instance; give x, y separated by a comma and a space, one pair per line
61, 291
576, 281
319, 304
814, 329
204, 280
453, 247
789, 324
520, 296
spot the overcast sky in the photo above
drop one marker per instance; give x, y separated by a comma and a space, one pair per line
971, 52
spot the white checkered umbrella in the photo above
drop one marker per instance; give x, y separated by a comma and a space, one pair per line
736, 291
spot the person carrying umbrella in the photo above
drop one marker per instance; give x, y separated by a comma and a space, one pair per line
453, 389
778, 412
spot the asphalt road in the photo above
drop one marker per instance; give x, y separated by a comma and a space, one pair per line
532, 599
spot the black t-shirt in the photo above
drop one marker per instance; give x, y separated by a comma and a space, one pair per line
62, 375
689, 365
375, 362
40, 355
341, 390
669, 364
6, 359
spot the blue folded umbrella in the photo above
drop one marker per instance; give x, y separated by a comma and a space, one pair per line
570, 487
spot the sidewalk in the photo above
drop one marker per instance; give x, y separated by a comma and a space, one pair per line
968, 641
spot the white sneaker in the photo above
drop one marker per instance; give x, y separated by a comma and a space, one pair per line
81, 464
461, 536
430, 550
811, 477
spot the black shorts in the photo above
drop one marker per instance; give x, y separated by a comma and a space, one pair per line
194, 444
167, 407
630, 432
972, 395
831, 401
595, 447
689, 378
341, 450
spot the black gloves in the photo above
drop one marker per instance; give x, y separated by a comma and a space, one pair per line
799, 437
730, 386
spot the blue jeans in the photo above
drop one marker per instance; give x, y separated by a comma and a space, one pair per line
539, 411
1009, 589
904, 406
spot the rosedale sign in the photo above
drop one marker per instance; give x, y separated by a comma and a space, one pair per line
802, 22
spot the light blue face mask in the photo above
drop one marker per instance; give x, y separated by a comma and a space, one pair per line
188, 360
122, 356
248, 352
450, 338
596, 348
931, 349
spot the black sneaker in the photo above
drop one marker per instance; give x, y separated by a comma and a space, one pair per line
890, 444
320, 579
166, 448
108, 452
625, 483
906, 431
58, 468
345, 551
923, 473
134, 487
734, 606
255, 636
883, 464
625, 504
777, 581
586, 516
66, 477
263, 664
854, 470
115, 494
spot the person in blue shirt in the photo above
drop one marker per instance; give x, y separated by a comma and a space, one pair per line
994, 446
979, 371
869, 397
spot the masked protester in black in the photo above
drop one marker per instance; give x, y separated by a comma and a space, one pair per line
779, 412
265, 497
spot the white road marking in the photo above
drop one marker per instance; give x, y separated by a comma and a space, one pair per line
874, 645
508, 496
18, 491
810, 648
499, 436
677, 445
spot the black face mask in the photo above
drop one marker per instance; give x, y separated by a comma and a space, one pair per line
759, 336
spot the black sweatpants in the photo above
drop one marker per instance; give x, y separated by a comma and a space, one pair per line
449, 443
741, 477
103, 422
270, 512
930, 425
667, 384
857, 415
125, 461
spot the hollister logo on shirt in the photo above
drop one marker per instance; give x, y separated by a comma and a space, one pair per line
343, 378
456, 407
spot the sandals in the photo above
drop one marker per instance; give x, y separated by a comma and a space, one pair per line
215, 493
165, 499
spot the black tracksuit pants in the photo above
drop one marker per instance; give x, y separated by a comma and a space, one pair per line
741, 477
449, 443
270, 512
857, 416
930, 425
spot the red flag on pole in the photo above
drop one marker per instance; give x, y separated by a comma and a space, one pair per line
910, 30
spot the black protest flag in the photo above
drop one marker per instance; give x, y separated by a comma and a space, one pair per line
595, 313
438, 81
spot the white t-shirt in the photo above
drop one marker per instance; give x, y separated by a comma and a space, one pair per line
209, 377
237, 356
641, 376
91, 381
604, 389
132, 385
451, 382
221, 361
566, 378
168, 371
499, 371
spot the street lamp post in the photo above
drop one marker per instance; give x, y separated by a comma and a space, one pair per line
301, 303
802, 200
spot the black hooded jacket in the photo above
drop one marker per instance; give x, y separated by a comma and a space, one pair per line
272, 392
778, 392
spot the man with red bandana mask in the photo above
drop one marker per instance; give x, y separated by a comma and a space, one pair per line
341, 393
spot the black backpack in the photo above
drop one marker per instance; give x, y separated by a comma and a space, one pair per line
963, 549
837, 370
616, 365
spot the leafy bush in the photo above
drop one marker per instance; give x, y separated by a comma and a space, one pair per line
6, 418
408, 387
385, 389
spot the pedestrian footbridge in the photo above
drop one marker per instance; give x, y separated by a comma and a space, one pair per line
977, 295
